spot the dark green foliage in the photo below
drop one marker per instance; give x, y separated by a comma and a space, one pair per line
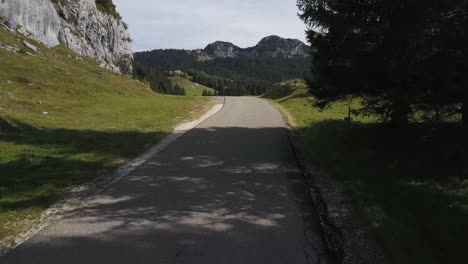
410, 186
158, 79
396, 54
207, 93
230, 87
229, 76
108, 7
410, 195
404, 59
177, 90
57, 2
125, 26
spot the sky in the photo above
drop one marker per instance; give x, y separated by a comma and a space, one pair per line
193, 24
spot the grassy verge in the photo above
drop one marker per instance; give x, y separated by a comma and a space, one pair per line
191, 88
410, 188
65, 121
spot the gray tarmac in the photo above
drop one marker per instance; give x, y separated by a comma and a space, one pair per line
226, 192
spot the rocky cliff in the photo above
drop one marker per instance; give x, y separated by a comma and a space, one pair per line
91, 28
221, 49
275, 46
272, 46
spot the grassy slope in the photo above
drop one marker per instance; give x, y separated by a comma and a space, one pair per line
97, 120
406, 188
191, 88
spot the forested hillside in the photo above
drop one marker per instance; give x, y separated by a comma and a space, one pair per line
232, 70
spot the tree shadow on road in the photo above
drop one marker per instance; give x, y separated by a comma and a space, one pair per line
217, 195
37, 165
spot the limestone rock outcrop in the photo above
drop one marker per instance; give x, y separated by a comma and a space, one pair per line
81, 25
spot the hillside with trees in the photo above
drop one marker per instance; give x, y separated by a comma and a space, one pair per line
232, 70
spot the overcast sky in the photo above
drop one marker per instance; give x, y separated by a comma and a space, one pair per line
191, 24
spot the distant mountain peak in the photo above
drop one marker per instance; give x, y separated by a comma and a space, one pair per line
221, 43
271, 38
276, 40
222, 49
276, 46
271, 46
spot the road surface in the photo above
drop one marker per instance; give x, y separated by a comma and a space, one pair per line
226, 192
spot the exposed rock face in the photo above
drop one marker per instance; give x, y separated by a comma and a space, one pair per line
77, 24
276, 47
220, 49
272, 46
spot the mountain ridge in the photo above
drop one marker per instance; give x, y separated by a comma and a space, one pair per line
270, 46
273, 46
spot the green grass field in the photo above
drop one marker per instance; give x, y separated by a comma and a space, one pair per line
410, 188
64, 122
191, 88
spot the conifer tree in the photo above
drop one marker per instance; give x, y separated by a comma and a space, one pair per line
385, 51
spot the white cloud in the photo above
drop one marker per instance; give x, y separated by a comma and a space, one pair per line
191, 24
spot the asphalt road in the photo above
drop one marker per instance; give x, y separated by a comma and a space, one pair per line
229, 191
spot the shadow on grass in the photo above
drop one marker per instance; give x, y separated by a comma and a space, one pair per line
217, 194
284, 93
279, 92
292, 97
411, 187
41, 163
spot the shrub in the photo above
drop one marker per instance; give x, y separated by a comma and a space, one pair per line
108, 7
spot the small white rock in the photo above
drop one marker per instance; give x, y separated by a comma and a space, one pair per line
30, 46
45, 113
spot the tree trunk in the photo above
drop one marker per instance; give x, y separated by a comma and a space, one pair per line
464, 135
400, 111
465, 111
